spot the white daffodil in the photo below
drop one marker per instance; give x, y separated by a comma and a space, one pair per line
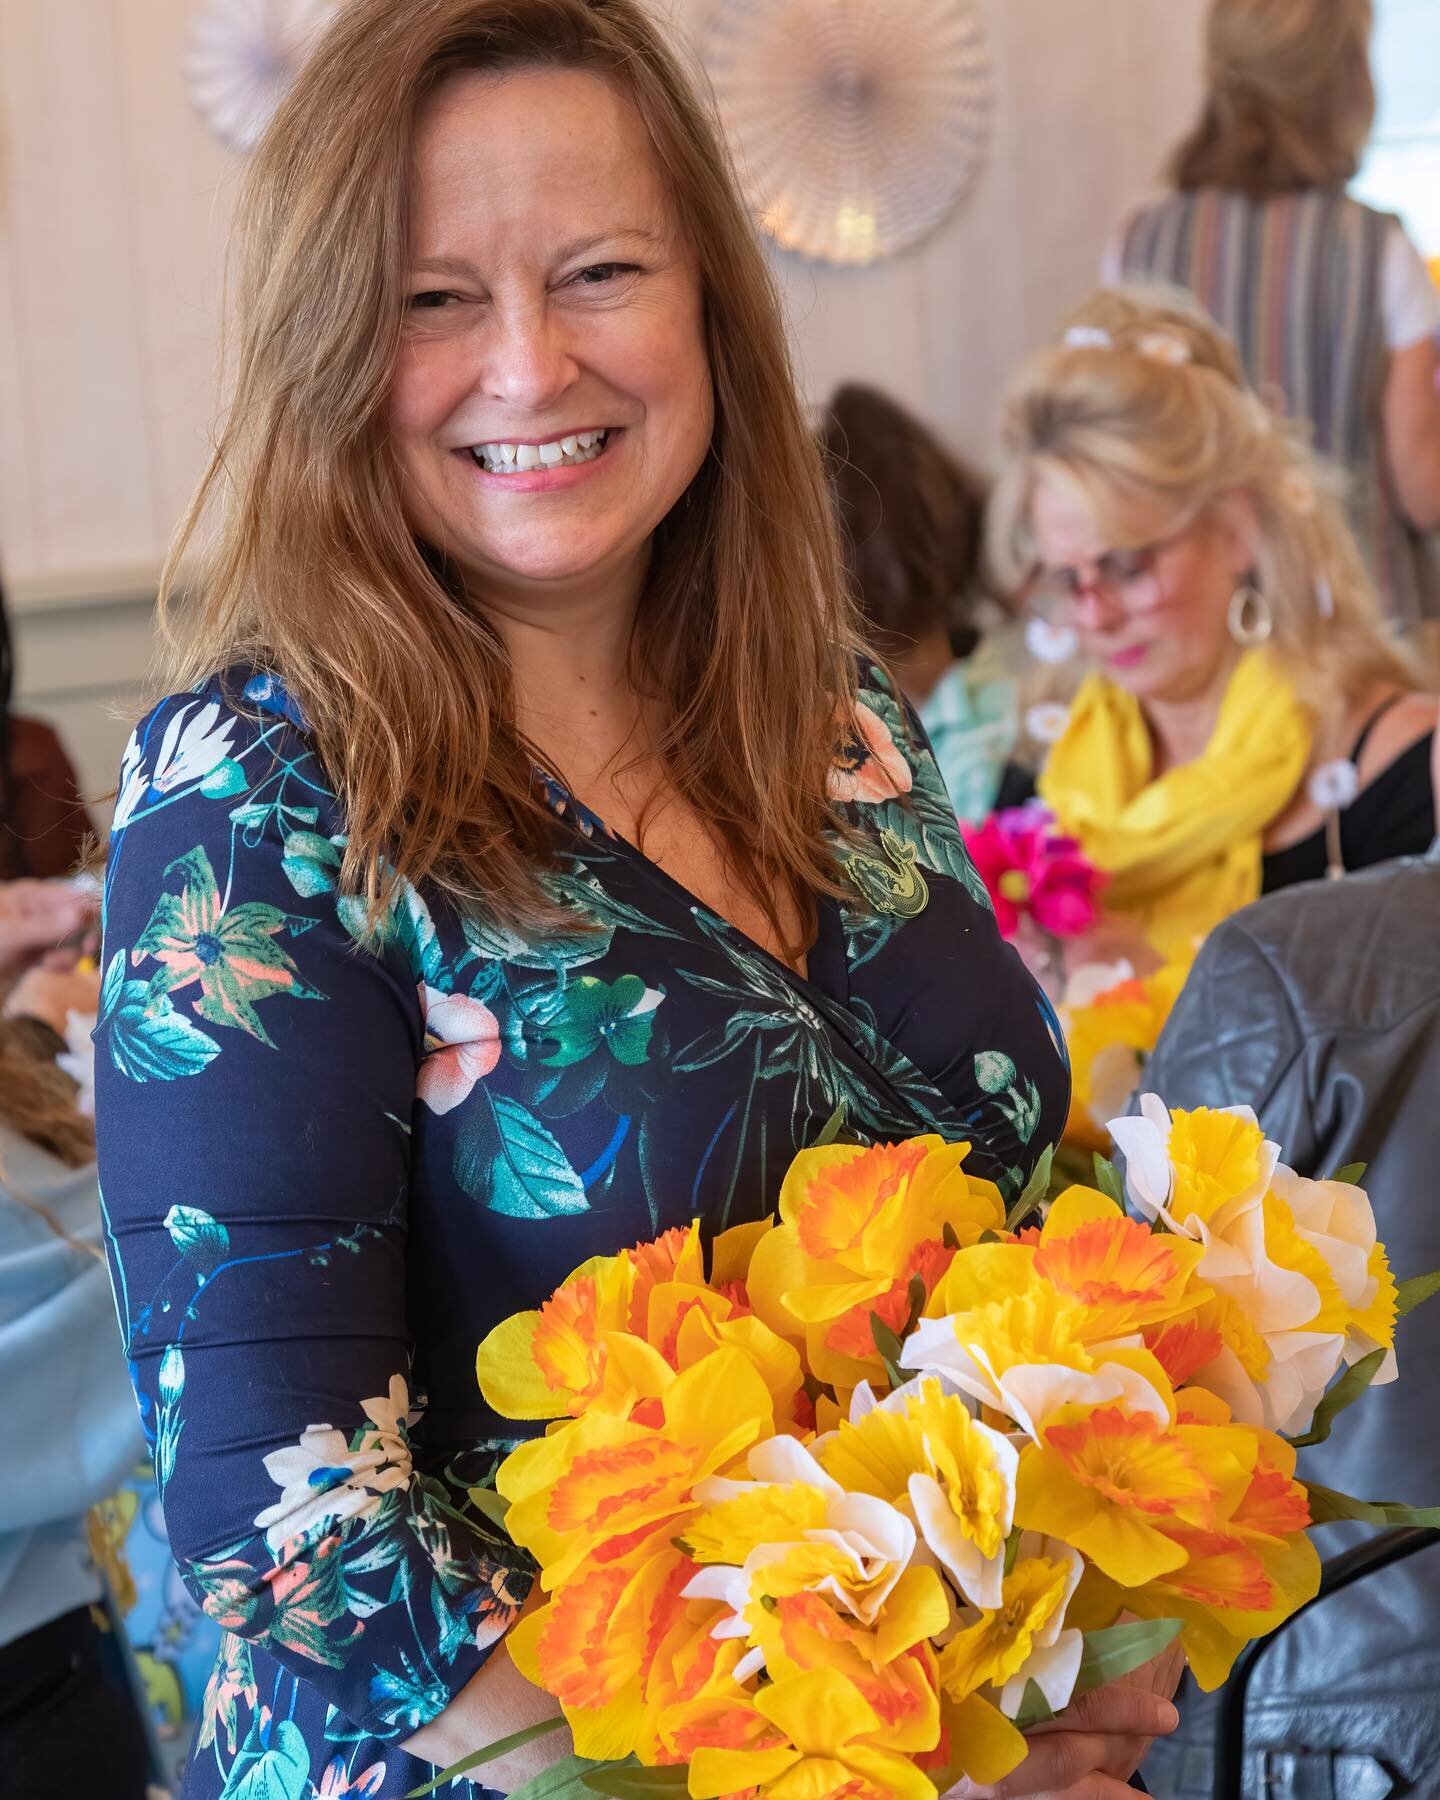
194, 743
853, 1552
1091, 980
1046, 722
1054, 1662
1162, 1189
1337, 1219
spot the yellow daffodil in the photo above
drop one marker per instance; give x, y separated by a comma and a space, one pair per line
1023, 1639
857, 1225
922, 1449
1112, 1021
1198, 1171
829, 1738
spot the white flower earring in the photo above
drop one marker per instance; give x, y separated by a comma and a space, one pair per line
1049, 643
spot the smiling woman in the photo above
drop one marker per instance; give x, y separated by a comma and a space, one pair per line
533, 865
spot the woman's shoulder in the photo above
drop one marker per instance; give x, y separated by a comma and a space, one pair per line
1388, 724
216, 741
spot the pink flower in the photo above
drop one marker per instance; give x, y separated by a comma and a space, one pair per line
335, 1782
869, 767
462, 1046
1029, 868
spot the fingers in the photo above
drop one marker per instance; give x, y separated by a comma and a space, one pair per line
1096, 1785
1118, 1709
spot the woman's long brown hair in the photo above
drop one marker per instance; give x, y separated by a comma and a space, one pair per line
745, 626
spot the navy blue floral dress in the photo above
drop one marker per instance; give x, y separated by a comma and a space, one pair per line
328, 1170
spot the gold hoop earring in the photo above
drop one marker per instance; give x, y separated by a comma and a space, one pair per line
1250, 619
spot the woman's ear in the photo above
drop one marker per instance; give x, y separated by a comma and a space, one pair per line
1237, 531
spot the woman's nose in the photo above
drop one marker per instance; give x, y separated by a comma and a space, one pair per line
529, 362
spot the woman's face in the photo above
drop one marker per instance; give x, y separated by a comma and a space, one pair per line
1154, 619
552, 398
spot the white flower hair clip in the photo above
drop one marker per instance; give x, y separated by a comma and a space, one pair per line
1164, 347
1046, 723
1049, 643
1088, 337
1324, 598
1334, 785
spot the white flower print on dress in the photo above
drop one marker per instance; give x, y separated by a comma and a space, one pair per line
133, 783
192, 746
327, 1480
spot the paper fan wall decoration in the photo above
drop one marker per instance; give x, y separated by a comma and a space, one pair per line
243, 55
857, 124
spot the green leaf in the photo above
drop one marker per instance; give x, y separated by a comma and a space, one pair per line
562, 1781
311, 863
197, 1236
1352, 1174
494, 1506
1346, 1391
1034, 1708
631, 1781
1327, 1505
1413, 1293
506, 1158
282, 1773
516, 1741
154, 1044
889, 1347
1036, 1189
1107, 1179
1106, 1657
224, 781
831, 1129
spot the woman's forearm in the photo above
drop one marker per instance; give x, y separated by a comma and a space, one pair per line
492, 1705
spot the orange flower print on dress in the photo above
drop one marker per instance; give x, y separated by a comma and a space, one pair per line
869, 766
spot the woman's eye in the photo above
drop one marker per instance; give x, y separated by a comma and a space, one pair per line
430, 300
599, 273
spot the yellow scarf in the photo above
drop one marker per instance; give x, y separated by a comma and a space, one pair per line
1182, 851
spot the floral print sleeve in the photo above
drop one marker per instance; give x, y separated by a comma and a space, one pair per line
256, 1076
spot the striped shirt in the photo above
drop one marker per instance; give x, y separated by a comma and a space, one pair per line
1297, 282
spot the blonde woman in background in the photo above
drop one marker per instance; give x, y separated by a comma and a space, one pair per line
1333, 310
1246, 723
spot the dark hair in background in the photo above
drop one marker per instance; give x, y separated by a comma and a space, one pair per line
913, 514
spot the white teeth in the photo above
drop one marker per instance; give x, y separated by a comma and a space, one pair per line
509, 459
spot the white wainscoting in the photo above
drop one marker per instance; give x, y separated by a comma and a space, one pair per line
113, 209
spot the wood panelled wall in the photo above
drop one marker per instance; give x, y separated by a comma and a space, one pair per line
114, 204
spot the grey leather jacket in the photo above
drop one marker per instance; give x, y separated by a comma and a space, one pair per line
1320, 1007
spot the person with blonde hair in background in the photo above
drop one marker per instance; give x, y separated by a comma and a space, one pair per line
1333, 310
1246, 723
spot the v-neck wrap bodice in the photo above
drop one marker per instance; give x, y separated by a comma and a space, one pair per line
329, 1168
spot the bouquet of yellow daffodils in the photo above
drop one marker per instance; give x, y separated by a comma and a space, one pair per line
894, 1478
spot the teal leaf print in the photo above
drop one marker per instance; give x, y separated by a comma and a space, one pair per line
407, 925
280, 1773
618, 1014
506, 1158
149, 1043
231, 955
994, 1071
224, 781
311, 863
488, 942
198, 1237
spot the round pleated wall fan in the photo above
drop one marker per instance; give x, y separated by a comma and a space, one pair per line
857, 124
243, 55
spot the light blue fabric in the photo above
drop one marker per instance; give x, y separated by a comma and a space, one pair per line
71, 1430
970, 718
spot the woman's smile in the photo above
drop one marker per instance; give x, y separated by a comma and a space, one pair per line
543, 466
